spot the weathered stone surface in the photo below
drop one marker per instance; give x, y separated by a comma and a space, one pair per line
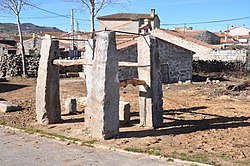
71, 105
48, 108
150, 96
104, 118
124, 112
6, 106
89, 55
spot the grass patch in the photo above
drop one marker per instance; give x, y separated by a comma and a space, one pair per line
133, 149
151, 151
89, 143
243, 162
50, 135
201, 158
2, 123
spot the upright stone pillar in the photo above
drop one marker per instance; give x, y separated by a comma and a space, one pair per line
150, 96
48, 108
89, 54
104, 118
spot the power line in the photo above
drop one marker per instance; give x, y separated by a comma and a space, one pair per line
66, 16
57, 14
210, 22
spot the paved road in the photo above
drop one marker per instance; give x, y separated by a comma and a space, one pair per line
19, 148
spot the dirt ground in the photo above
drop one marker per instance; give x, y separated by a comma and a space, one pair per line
202, 121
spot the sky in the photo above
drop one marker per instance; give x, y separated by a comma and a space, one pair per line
189, 13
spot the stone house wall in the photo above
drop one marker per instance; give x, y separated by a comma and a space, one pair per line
119, 25
128, 54
176, 62
32, 46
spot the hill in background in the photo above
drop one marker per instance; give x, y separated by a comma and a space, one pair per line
10, 29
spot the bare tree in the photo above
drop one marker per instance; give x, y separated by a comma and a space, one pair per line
94, 7
15, 6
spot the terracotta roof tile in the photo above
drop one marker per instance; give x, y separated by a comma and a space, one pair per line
126, 44
191, 32
125, 16
229, 40
188, 38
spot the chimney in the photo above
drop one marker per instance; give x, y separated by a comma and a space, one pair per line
152, 13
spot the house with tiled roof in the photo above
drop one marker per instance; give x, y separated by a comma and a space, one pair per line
7, 47
176, 61
130, 22
226, 39
202, 35
200, 48
238, 31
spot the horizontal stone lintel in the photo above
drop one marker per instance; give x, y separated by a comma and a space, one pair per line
73, 62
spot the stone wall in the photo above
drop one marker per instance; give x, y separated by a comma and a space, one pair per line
12, 65
128, 54
223, 55
32, 46
217, 66
176, 62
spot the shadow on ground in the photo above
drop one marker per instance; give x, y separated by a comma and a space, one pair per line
10, 87
176, 126
200, 78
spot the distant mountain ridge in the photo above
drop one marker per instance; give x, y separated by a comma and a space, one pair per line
7, 29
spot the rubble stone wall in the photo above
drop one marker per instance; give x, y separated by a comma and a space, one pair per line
217, 66
12, 65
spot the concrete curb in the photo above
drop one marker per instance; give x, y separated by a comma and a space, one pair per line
109, 148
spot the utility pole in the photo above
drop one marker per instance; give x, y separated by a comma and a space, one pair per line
72, 29
226, 33
184, 28
77, 31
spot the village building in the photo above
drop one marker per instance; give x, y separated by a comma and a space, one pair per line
200, 48
238, 31
32, 46
176, 61
130, 22
235, 36
7, 47
202, 35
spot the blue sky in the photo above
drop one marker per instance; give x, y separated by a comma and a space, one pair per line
169, 11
